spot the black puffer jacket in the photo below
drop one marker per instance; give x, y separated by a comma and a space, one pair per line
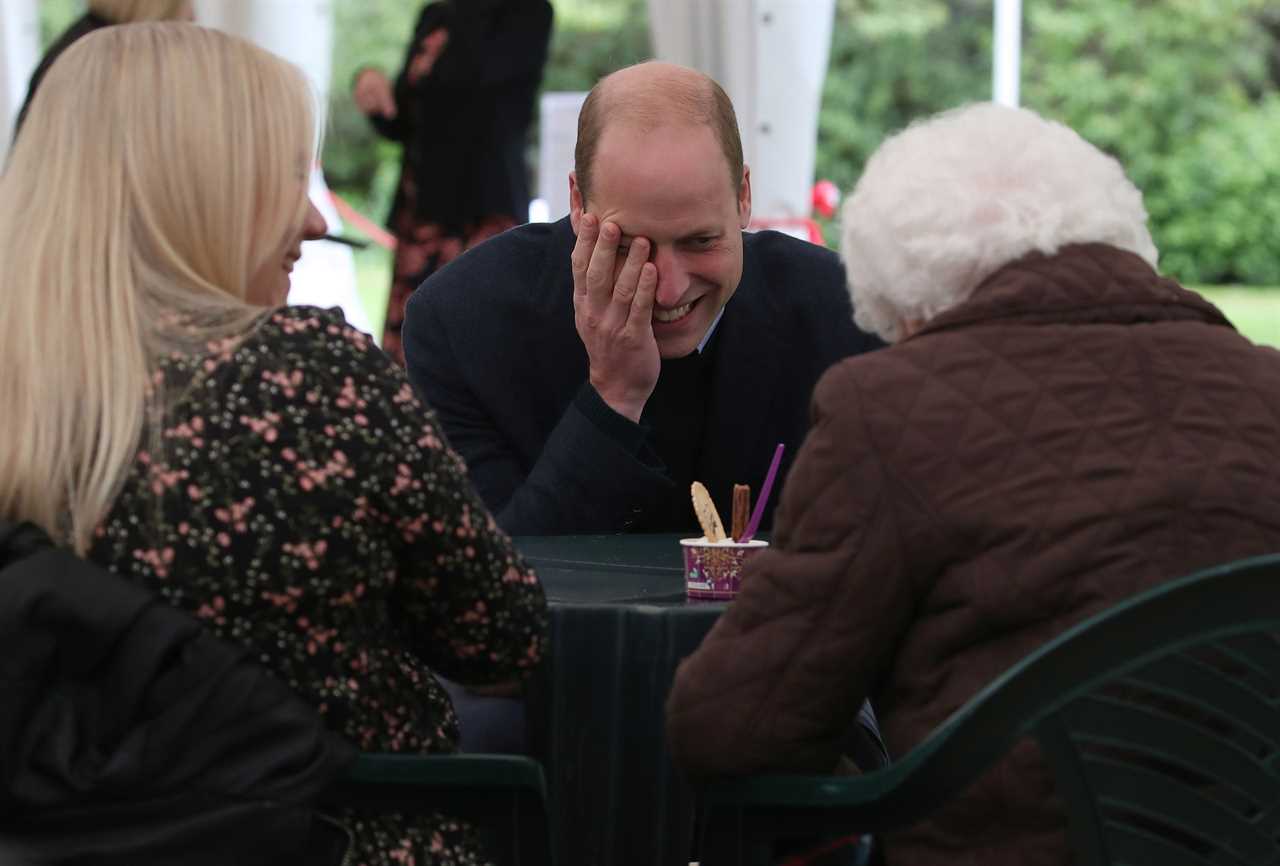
128, 734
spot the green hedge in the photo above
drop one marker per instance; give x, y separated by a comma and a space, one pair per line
1182, 92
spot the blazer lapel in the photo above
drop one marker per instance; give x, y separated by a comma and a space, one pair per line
743, 424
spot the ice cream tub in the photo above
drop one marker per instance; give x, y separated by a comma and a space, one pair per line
713, 570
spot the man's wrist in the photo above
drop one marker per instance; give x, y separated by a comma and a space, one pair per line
628, 407
628, 435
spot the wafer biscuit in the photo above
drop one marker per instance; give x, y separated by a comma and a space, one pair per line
706, 512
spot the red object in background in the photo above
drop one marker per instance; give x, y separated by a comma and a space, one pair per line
826, 196
362, 223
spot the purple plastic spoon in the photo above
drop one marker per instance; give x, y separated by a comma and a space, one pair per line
765, 490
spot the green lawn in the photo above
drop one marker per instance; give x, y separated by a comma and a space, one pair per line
1254, 310
373, 283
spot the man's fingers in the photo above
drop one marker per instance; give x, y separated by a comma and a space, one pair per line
600, 269
588, 230
624, 287
641, 317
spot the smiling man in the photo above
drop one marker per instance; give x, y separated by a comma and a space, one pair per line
589, 370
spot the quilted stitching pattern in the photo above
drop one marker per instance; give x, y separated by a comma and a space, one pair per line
1079, 430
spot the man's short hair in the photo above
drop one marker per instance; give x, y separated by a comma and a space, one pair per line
701, 102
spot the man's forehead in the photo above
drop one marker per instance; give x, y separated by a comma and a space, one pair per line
662, 215
663, 167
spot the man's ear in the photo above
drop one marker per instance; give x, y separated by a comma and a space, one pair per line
744, 199
576, 204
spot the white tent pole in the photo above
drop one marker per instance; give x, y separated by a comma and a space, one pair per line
19, 53
1007, 52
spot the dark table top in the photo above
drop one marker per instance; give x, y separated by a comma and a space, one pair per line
609, 569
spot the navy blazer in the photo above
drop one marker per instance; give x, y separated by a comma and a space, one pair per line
491, 345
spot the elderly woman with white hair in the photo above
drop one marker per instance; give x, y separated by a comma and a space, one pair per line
1055, 427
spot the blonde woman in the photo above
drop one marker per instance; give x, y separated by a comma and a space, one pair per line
264, 468
103, 13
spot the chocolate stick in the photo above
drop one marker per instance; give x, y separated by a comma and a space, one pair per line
741, 509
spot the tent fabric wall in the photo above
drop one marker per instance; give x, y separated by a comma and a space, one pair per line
771, 58
19, 53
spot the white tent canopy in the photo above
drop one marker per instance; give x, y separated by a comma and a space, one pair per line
770, 56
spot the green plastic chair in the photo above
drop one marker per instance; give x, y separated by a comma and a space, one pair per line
504, 796
1159, 718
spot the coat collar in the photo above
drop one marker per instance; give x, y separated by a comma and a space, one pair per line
1079, 284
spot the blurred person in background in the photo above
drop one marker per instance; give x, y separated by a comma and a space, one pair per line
461, 108
104, 13
1054, 427
263, 468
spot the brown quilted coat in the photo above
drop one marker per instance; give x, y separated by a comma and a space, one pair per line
1079, 430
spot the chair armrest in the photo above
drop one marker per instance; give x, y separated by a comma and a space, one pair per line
498, 772
801, 792
874, 802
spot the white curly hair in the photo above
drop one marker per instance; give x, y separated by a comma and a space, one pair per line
949, 200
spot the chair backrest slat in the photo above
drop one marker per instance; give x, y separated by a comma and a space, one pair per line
1131, 795
1130, 846
1190, 680
1193, 753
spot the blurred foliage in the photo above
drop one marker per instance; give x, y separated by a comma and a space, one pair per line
891, 62
1185, 93
591, 39
56, 16
1182, 92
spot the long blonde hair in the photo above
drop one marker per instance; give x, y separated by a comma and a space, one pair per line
159, 167
128, 11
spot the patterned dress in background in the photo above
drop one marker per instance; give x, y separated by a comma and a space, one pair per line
305, 504
463, 121
421, 250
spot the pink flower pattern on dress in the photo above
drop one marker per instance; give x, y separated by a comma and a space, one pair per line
302, 501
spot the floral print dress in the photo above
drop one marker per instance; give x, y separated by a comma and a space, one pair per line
303, 502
